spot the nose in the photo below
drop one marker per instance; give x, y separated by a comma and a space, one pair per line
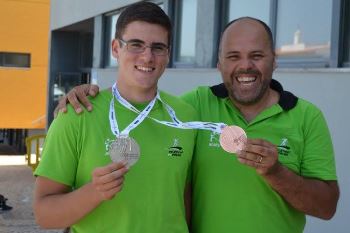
147, 54
246, 64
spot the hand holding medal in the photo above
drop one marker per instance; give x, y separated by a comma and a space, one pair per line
257, 153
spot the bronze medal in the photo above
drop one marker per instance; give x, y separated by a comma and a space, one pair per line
233, 139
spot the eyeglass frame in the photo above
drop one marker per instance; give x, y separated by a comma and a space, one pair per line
144, 46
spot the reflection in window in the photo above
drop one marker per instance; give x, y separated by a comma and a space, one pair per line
299, 33
14, 59
187, 33
259, 9
111, 22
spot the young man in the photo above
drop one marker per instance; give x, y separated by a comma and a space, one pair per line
77, 183
286, 169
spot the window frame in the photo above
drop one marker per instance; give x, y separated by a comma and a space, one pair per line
340, 33
175, 16
345, 34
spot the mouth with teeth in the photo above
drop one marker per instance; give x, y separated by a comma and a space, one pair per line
144, 68
246, 79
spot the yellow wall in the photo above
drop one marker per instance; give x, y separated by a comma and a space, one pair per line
24, 28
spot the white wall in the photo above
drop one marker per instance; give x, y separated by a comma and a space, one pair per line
327, 88
67, 12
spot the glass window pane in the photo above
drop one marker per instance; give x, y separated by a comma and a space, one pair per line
111, 21
14, 59
303, 29
187, 32
346, 45
259, 9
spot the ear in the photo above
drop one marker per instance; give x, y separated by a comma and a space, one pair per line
274, 64
218, 65
115, 48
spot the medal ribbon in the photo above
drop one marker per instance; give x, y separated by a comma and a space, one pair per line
176, 123
138, 120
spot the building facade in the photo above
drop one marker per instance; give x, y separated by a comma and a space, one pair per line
24, 41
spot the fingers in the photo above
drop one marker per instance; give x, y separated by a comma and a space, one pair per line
108, 180
83, 91
73, 100
259, 154
78, 96
61, 106
93, 90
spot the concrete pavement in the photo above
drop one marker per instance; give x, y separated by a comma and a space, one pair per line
16, 184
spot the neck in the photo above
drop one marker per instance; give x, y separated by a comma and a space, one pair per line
136, 95
249, 112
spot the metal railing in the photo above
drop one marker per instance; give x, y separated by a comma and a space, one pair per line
34, 147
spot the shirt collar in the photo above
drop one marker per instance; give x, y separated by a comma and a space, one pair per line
287, 99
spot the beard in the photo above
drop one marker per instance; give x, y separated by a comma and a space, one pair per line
247, 97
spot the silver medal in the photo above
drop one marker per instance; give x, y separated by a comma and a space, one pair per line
124, 149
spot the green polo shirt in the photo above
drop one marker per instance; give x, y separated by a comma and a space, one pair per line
231, 197
152, 198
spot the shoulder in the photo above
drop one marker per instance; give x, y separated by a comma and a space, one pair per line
307, 108
102, 97
101, 101
179, 105
197, 93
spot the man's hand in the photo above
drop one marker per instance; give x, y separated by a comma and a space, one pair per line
76, 97
108, 181
261, 155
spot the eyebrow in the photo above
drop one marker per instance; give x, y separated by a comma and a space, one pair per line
237, 52
141, 41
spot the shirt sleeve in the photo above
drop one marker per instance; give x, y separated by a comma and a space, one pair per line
318, 156
59, 158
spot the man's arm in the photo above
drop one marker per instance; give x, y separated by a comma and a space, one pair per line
56, 206
310, 196
77, 97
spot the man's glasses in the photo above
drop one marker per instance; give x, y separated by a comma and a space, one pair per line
135, 46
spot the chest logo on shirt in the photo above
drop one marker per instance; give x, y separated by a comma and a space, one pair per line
283, 148
214, 139
175, 149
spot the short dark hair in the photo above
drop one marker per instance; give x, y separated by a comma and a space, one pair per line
266, 27
143, 11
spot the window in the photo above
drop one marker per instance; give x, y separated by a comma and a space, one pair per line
346, 40
8, 59
185, 47
259, 9
303, 30
111, 21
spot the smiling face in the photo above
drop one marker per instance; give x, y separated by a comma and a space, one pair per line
246, 62
141, 71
